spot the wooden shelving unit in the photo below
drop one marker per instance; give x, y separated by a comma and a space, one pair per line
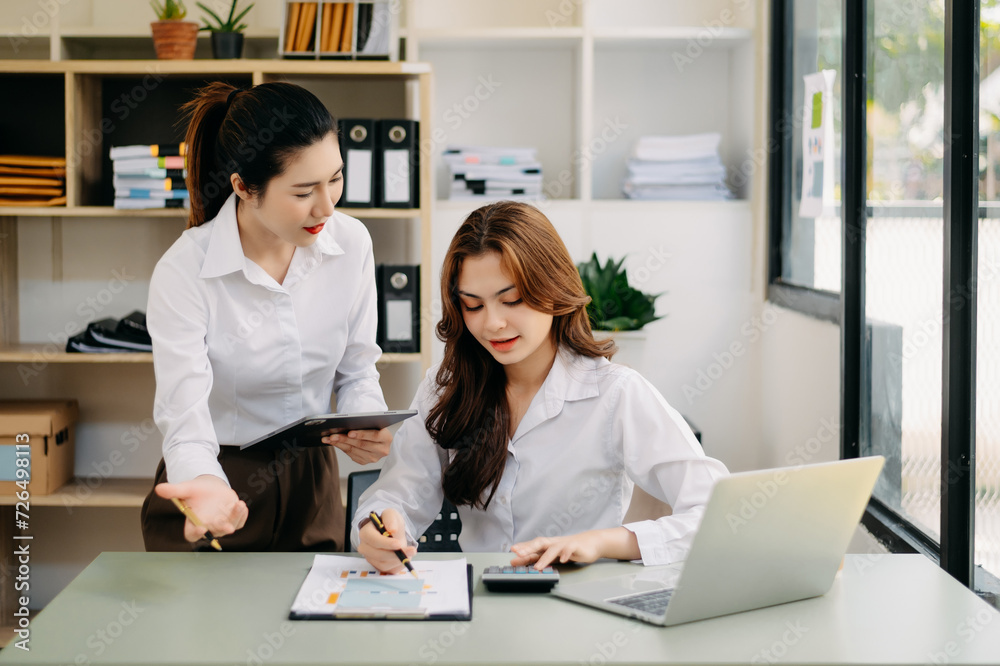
82, 92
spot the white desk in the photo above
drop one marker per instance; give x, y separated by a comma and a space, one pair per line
231, 608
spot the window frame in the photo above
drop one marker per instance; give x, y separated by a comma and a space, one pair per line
955, 551
817, 303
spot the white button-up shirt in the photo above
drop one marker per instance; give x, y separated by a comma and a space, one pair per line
238, 355
593, 430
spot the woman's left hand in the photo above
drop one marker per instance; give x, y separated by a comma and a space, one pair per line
363, 446
543, 551
616, 542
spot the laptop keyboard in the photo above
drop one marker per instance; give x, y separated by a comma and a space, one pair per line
654, 602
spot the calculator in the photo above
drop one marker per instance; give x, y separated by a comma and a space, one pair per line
519, 579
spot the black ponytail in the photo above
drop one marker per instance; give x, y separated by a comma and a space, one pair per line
252, 133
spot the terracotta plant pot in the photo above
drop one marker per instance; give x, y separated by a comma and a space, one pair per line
175, 40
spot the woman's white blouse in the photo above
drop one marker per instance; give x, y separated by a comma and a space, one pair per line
593, 429
237, 355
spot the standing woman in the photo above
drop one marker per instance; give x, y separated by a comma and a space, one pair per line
262, 310
526, 426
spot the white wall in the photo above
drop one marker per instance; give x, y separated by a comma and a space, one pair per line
800, 383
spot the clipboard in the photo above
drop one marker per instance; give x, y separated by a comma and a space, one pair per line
382, 613
309, 430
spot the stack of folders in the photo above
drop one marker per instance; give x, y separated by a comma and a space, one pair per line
483, 172
111, 336
150, 176
381, 163
339, 24
677, 167
28, 180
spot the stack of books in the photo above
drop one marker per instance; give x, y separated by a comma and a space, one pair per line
111, 336
150, 176
483, 172
28, 180
676, 167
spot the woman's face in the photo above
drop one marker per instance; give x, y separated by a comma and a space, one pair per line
495, 314
296, 204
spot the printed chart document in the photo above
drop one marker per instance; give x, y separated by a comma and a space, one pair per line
339, 587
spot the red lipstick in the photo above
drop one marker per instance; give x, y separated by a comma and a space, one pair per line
315, 230
503, 345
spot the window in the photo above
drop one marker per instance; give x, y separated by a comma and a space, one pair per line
913, 360
805, 257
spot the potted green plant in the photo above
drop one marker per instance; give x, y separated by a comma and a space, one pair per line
614, 304
173, 37
227, 35
616, 308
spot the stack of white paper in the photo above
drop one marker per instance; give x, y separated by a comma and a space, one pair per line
676, 167
482, 172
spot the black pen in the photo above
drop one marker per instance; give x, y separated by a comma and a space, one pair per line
400, 554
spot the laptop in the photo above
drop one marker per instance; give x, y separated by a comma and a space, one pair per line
767, 537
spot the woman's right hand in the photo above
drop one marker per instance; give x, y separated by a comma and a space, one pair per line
380, 549
217, 505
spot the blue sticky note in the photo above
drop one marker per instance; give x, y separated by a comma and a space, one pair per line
381, 592
8, 463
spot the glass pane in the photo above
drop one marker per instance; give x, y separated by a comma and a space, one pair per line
810, 248
987, 539
905, 255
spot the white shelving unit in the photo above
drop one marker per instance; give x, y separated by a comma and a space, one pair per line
582, 80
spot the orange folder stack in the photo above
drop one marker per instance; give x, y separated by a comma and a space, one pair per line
28, 180
336, 27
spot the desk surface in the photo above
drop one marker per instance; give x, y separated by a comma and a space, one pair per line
232, 608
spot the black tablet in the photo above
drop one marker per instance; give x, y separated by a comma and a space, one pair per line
309, 431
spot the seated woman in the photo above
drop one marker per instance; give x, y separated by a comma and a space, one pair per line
526, 425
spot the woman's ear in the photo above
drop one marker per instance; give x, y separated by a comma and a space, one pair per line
239, 187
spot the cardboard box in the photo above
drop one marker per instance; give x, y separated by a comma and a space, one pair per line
50, 427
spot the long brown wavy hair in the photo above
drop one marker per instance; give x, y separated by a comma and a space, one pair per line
472, 415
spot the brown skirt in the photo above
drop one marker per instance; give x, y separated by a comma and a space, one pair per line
293, 497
